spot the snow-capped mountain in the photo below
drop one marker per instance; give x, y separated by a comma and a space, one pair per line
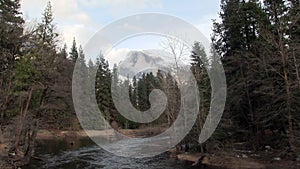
137, 62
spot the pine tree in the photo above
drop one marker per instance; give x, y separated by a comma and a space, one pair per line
63, 52
81, 57
283, 38
74, 52
239, 41
134, 92
199, 66
115, 75
11, 39
91, 64
142, 91
11, 24
198, 56
257, 44
46, 31
103, 87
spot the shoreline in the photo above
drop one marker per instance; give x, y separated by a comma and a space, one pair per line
227, 159
223, 159
237, 161
70, 134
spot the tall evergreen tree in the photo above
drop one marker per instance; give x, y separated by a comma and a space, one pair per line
115, 75
142, 91
282, 39
134, 92
256, 46
63, 52
74, 52
11, 39
239, 41
198, 56
46, 31
103, 86
81, 57
11, 32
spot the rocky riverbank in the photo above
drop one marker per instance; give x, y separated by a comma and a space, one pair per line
229, 159
234, 160
225, 159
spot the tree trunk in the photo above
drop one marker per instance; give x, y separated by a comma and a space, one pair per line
287, 89
3, 106
31, 133
20, 153
297, 68
22, 119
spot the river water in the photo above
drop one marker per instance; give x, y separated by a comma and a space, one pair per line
84, 154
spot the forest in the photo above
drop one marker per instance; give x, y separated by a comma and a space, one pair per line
259, 46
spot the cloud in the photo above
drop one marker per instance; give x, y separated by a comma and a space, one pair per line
132, 27
74, 17
70, 19
63, 10
205, 24
117, 7
115, 56
138, 4
35, 11
69, 11
80, 32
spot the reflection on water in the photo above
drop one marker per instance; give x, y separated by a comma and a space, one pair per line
84, 154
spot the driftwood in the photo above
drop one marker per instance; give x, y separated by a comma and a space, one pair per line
37, 158
199, 161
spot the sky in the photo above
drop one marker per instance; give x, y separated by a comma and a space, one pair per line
81, 19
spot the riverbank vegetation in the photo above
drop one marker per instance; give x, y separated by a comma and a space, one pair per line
257, 42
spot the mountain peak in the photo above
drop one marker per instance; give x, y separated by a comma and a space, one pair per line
137, 61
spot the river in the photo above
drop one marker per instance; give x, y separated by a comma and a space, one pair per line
86, 155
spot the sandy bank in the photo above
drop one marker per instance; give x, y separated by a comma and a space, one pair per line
58, 134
